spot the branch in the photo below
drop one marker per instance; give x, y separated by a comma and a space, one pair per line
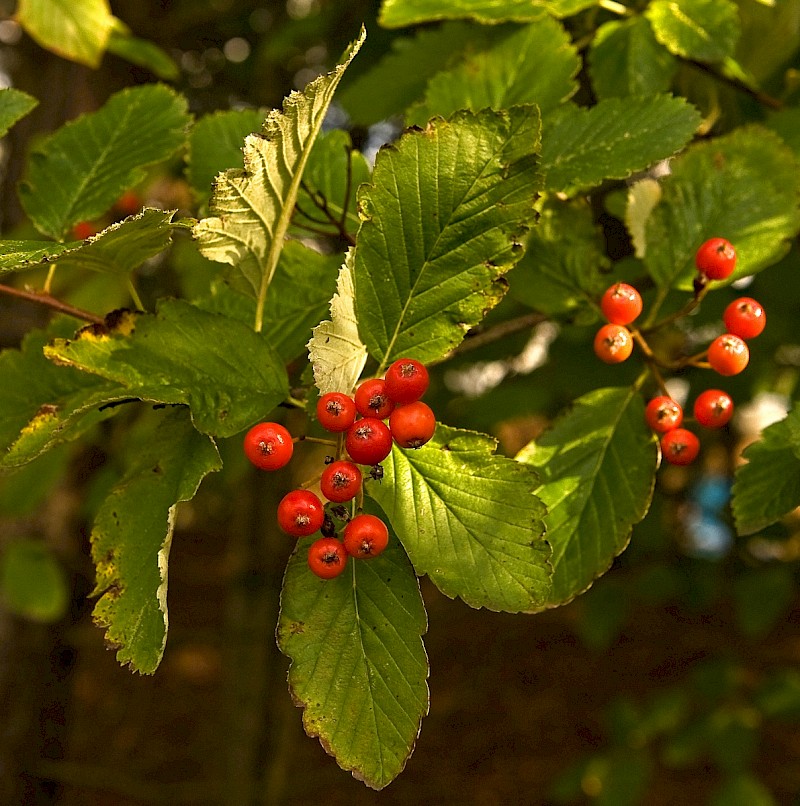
51, 302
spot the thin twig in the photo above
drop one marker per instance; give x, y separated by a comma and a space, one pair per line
757, 95
52, 303
500, 331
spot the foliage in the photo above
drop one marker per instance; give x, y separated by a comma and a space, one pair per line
550, 148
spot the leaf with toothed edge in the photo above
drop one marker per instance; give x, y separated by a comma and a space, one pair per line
442, 223
358, 664
132, 534
469, 519
597, 466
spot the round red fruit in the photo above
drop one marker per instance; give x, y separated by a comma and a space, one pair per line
679, 446
336, 411
368, 441
372, 400
745, 318
621, 304
340, 481
613, 344
365, 536
716, 258
713, 408
728, 354
327, 557
268, 446
663, 414
300, 513
406, 380
412, 425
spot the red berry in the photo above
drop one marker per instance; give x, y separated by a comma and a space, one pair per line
663, 414
268, 446
679, 446
340, 481
327, 557
613, 344
745, 318
728, 354
365, 536
621, 304
406, 380
716, 258
336, 411
372, 400
85, 229
300, 513
412, 425
128, 203
713, 408
368, 441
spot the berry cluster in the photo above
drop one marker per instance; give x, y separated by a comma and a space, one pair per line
728, 354
359, 423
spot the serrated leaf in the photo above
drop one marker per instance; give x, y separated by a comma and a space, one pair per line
744, 186
767, 487
535, 64
32, 582
42, 405
625, 58
643, 197
400, 77
75, 29
303, 284
597, 466
336, 351
118, 249
132, 534
251, 208
358, 666
442, 223
141, 52
705, 30
558, 274
215, 145
14, 105
582, 147
400, 13
77, 173
469, 520
328, 181
228, 375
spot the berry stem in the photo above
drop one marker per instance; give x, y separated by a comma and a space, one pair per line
137, 300
43, 298
296, 402
690, 306
329, 442
312, 482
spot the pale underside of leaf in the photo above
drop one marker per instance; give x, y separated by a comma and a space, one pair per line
251, 209
643, 196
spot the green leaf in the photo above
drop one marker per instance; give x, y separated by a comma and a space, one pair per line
558, 274
536, 63
14, 105
118, 249
303, 286
336, 351
77, 173
597, 466
768, 486
228, 375
141, 52
251, 208
215, 145
469, 520
742, 790
42, 405
626, 59
582, 147
132, 535
401, 76
786, 124
358, 666
705, 30
744, 186
643, 196
442, 223
32, 582
762, 597
75, 29
400, 13
327, 181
